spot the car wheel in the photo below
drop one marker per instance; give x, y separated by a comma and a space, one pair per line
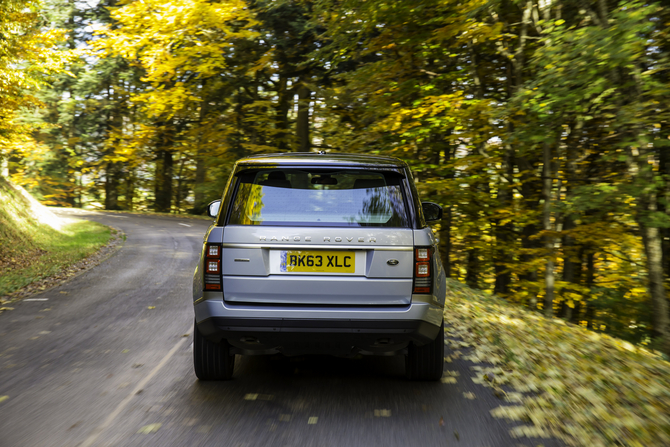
426, 362
211, 361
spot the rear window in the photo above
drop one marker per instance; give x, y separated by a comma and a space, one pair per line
302, 197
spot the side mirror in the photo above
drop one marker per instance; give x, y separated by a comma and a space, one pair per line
213, 208
432, 212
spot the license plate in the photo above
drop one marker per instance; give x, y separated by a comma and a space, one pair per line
317, 261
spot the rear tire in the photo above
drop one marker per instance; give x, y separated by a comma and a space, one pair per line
426, 362
211, 361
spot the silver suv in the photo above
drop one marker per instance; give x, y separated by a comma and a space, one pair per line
319, 254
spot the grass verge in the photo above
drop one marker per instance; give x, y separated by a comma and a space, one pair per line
585, 388
52, 252
35, 244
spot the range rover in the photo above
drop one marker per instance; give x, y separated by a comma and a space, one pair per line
314, 253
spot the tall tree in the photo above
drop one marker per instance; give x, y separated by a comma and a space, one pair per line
29, 54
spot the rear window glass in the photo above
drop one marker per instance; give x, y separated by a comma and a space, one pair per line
319, 198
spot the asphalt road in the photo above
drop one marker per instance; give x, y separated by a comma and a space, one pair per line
105, 360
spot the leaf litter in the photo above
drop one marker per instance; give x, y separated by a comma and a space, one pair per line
582, 387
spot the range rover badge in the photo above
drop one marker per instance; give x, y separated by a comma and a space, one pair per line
392, 262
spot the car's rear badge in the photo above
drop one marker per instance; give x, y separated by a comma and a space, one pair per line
309, 239
285, 239
392, 262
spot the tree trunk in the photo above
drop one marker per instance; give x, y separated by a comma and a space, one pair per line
302, 123
664, 171
472, 274
164, 166
572, 261
575, 313
504, 233
546, 221
651, 237
200, 157
445, 246
585, 310
181, 190
531, 190
199, 199
130, 190
570, 266
112, 187
445, 240
283, 105
529, 243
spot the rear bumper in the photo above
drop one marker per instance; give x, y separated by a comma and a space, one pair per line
340, 331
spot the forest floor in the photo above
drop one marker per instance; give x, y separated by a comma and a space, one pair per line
566, 381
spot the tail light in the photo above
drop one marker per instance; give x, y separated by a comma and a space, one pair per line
423, 279
212, 267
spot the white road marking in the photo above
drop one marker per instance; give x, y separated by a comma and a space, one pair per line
124, 403
186, 225
36, 299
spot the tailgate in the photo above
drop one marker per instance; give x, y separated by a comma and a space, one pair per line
332, 266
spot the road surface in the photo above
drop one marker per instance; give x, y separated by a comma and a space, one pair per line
105, 360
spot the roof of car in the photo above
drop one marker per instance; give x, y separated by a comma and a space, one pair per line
321, 159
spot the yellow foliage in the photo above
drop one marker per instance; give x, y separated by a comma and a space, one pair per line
173, 41
29, 54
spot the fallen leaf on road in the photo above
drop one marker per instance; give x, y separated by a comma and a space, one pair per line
441, 423
529, 431
151, 428
449, 380
312, 420
3, 398
469, 395
151, 307
499, 393
382, 413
